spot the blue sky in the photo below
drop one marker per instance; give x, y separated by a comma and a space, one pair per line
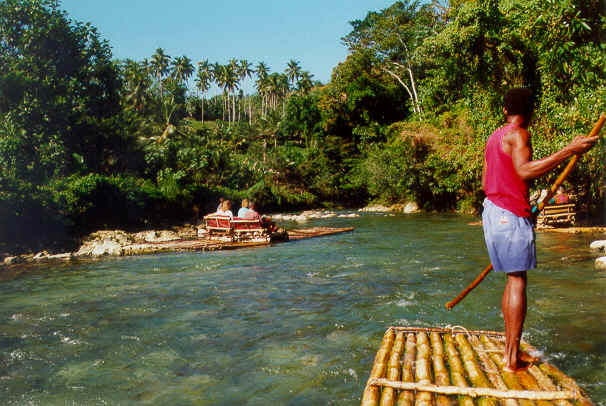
272, 31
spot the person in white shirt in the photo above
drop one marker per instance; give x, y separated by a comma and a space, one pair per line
244, 209
225, 209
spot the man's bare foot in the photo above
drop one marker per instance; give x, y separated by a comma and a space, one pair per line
526, 357
520, 366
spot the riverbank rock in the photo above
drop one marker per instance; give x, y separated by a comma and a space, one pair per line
598, 245
600, 264
105, 242
304, 216
375, 208
406, 208
156, 236
411, 207
12, 260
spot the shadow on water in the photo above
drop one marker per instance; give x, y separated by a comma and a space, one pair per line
291, 324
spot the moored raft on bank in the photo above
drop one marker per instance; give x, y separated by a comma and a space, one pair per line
445, 367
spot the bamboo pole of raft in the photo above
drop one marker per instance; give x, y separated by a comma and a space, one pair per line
535, 210
439, 368
423, 370
497, 354
476, 376
491, 369
450, 330
456, 370
559, 378
371, 393
474, 392
388, 395
406, 398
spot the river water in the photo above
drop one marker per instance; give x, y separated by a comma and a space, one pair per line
292, 324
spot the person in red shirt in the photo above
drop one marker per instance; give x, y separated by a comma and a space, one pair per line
251, 213
561, 197
508, 166
265, 221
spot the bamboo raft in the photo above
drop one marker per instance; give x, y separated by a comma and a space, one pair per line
448, 367
201, 244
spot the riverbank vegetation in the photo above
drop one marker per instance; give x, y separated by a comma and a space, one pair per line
88, 142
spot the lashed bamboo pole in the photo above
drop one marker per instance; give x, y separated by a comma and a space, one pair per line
559, 378
371, 393
476, 376
450, 330
491, 369
439, 368
457, 371
497, 354
423, 370
475, 392
406, 398
526, 379
388, 395
566, 382
546, 384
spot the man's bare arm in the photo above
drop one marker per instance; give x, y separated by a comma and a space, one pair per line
519, 140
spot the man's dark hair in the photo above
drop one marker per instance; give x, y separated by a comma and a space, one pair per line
519, 100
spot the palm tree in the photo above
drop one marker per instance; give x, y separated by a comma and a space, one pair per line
293, 71
203, 84
203, 80
232, 83
246, 71
262, 84
137, 83
182, 69
159, 64
305, 82
218, 71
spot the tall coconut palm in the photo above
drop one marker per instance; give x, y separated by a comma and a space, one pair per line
159, 64
136, 83
182, 69
218, 72
246, 71
203, 84
293, 71
232, 82
305, 83
262, 84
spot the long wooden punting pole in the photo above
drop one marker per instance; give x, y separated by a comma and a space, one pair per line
535, 210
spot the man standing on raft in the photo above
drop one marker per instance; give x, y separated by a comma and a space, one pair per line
506, 218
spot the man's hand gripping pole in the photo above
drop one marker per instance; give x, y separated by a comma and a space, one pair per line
535, 210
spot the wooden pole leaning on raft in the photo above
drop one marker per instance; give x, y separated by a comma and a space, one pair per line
535, 210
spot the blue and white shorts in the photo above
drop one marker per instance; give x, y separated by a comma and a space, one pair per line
509, 239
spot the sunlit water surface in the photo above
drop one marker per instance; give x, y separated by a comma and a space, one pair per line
291, 324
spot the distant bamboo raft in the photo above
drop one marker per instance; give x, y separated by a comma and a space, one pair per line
456, 367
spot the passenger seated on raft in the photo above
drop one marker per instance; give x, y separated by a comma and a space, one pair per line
561, 197
244, 209
265, 221
225, 209
250, 212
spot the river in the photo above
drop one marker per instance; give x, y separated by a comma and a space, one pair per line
292, 324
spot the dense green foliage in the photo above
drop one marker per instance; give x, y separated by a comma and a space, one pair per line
87, 142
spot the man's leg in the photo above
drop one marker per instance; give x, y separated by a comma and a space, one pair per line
514, 313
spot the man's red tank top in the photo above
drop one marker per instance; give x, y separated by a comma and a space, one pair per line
502, 185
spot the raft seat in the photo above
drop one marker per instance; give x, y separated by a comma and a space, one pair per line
237, 229
217, 224
559, 214
247, 229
